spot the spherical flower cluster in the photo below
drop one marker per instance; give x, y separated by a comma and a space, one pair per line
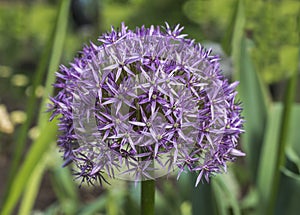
144, 103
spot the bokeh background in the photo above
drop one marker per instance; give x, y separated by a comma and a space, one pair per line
259, 45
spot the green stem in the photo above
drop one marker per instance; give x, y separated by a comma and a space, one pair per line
147, 197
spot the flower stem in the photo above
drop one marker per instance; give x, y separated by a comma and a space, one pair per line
147, 197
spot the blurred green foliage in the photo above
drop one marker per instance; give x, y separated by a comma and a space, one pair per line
212, 16
273, 27
24, 28
260, 38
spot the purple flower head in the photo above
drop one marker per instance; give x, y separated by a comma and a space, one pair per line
143, 103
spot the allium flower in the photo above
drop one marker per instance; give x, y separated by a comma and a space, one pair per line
143, 103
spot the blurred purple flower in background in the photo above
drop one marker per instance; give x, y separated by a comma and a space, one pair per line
144, 103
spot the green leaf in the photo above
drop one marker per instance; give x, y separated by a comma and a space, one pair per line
167, 200
293, 146
64, 186
115, 197
252, 92
57, 49
249, 201
31, 109
267, 161
222, 206
235, 29
284, 132
202, 198
36, 152
293, 154
253, 95
289, 194
290, 174
32, 186
94, 207
47, 130
269, 156
224, 184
